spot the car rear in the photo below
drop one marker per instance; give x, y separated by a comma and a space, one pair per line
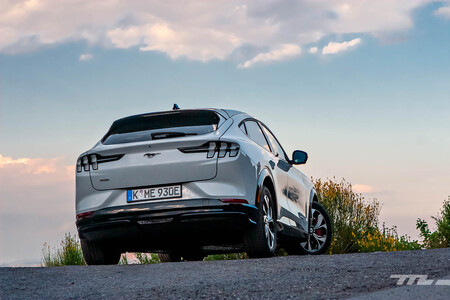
155, 178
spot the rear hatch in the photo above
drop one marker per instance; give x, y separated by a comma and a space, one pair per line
156, 149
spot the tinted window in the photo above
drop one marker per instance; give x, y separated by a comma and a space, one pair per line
277, 149
161, 125
255, 133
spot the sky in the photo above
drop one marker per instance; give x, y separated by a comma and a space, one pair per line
362, 86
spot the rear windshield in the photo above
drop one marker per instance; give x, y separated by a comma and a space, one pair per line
161, 125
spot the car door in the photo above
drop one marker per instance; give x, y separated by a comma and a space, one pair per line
254, 131
298, 196
295, 190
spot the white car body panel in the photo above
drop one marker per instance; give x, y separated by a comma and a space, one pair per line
208, 180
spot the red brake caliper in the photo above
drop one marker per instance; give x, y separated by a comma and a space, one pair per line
318, 231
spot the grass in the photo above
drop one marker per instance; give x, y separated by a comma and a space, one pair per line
143, 258
152, 258
147, 258
230, 256
68, 254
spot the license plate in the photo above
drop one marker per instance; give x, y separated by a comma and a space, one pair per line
173, 191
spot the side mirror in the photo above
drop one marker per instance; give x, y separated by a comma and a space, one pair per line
299, 157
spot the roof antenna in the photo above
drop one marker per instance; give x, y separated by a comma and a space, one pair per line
175, 107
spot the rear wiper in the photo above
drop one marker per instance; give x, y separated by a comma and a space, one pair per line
169, 134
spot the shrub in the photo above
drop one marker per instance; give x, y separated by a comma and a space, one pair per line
147, 258
143, 258
230, 256
68, 254
351, 215
355, 221
386, 240
123, 259
441, 237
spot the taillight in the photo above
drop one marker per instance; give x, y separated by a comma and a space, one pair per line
211, 148
234, 201
84, 215
86, 161
234, 150
79, 169
94, 162
223, 149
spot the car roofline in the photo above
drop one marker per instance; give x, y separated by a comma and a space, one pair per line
226, 113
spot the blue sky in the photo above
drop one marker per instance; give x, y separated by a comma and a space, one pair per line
376, 113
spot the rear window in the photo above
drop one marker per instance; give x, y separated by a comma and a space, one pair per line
161, 125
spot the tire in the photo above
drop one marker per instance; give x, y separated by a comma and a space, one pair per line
96, 254
261, 240
319, 234
169, 257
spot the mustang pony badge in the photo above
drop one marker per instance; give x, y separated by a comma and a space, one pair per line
151, 155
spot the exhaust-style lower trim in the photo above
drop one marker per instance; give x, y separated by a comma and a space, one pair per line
169, 223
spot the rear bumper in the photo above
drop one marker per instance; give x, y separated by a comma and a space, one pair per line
169, 226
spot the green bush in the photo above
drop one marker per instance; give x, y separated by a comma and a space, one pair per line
147, 258
351, 215
355, 221
68, 254
123, 259
385, 240
441, 237
143, 258
229, 256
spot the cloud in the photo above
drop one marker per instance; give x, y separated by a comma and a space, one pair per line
29, 170
313, 50
284, 52
36, 195
8, 161
37, 185
334, 47
86, 57
443, 11
197, 29
362, 188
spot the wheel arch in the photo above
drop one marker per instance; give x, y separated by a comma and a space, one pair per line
312, 198
265, 179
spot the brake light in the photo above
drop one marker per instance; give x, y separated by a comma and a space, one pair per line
234, 201
79, 165
84, 162
84, 215
222, 150
94, 162
211, 148
234, 150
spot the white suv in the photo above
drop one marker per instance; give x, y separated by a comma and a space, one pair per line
188, 183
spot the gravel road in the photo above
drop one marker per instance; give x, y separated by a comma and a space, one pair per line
312, 277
